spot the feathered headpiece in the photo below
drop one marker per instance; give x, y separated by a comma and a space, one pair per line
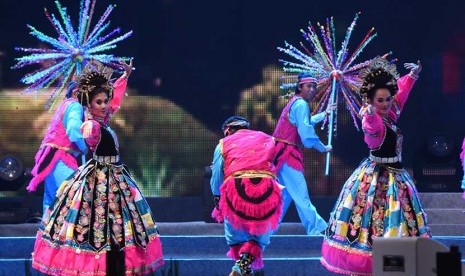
379, 73
94, 76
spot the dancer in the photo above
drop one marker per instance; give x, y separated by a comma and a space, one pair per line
60, 149
247, 195
294, 132
100, 223
380, 198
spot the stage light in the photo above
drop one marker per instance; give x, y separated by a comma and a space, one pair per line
11, 173
16, 205
440, 146
436, 164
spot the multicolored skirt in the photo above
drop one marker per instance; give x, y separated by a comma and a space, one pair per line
376, 201
99, 220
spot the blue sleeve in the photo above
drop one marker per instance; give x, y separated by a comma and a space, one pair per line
217, 171
315, 119
72, 120
299, 115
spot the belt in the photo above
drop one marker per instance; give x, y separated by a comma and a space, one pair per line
106, 159
383, 160
288, 142
251, 174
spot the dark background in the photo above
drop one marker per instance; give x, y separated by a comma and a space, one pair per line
203, 53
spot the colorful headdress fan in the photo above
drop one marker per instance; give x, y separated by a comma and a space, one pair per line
70, 51
337, 76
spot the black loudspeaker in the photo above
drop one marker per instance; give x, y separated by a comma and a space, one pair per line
449, 263
13, 216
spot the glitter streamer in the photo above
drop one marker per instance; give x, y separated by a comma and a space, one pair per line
70, 51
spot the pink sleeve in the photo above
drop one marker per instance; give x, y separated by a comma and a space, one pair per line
405, 85
94, 137
119, 87
373, 129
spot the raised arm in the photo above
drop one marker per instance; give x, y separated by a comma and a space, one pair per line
119, 87
405, 85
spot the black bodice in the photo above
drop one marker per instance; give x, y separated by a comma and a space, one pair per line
107, 145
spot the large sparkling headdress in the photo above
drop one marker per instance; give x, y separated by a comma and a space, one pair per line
380, 72
95, 75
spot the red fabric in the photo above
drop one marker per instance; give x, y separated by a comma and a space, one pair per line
93, 128
238, 205
67, 262
355, 263
250, 247
217, 215
287, 132
39, 177
290, 155
248, 150
56, 132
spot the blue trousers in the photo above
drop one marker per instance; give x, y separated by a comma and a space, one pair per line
296, 189
53, 181
234, 236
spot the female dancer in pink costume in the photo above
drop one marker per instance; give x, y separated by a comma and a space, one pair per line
100, 223
379, 199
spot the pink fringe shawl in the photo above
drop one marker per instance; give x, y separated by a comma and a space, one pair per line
239, 210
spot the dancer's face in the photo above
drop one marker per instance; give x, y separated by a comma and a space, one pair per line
382, 101
99, 105
307, 91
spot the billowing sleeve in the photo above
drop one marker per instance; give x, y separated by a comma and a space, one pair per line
119, 87
315, 119
72, 120
373, 129
405, 85
91, 133
300, 117
217, 171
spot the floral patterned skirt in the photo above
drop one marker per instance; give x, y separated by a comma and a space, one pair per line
376, 201
100, 220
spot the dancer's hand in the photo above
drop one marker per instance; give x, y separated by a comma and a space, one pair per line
330, 108
366, 109
415, 68
127, 67
86, 129
328, 148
